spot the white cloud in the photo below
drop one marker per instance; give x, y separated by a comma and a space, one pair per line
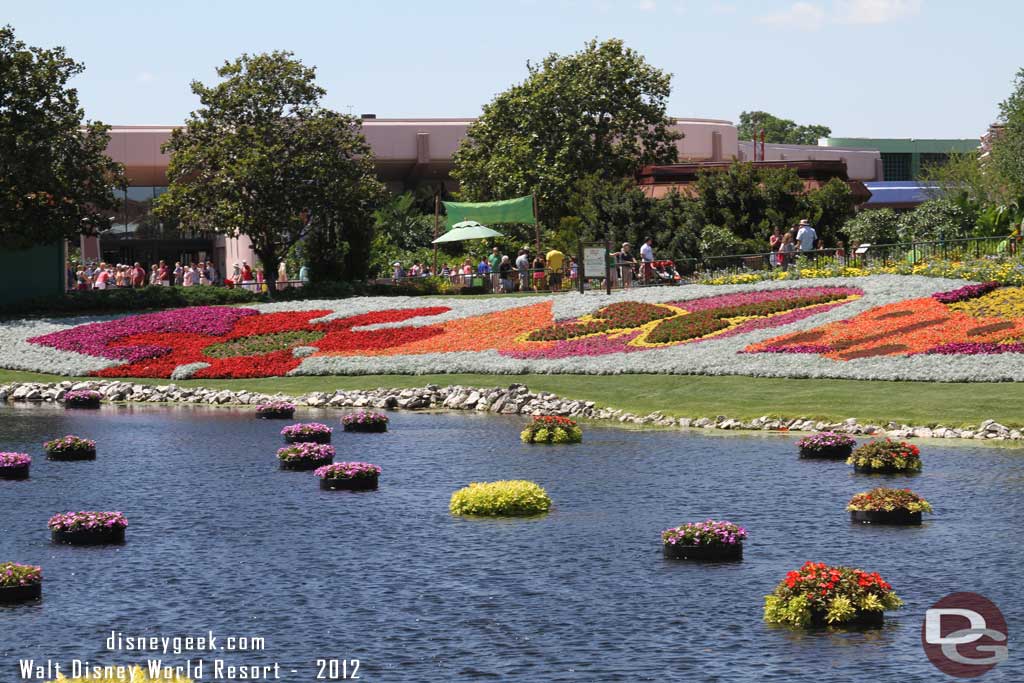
875, 11
722, 8
803, 16
647, 5
145, 77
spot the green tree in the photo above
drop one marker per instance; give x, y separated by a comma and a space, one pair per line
829, 207
401, 232
778, 130
873, 226
1008, 145
749, 201
597, 112
56, 181
936, 219
261, 157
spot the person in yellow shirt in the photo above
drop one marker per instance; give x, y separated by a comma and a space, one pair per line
555, 259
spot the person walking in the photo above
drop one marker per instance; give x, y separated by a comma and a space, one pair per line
556, 262
786, 250
505, 275
626, 262
523, 268
282, 275
494, 261
539, 281
647, 257
806, 236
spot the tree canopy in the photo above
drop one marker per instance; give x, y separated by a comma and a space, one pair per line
779, 130
262, 158
56, 181
597, 112
1008, 146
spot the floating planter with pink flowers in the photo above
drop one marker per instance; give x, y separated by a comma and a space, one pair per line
275, 410
826, 446
365, 421
88, 528
307, 432
82, 398
708, 541
20, 583
14, 465
348, 476
305, 456
70, 447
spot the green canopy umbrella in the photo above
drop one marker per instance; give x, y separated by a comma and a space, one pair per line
467, 230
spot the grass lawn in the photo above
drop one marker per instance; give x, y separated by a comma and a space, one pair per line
915, 403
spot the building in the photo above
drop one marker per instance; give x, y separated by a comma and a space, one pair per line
903, 158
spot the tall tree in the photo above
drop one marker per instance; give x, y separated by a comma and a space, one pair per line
1008, 145
779, 130
56, 180
600, 111
262, 158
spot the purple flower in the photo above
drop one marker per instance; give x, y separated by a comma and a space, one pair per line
347, 470
14, 460
75, 521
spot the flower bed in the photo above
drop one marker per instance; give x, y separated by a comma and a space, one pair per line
366, 421
827, 446
888, 506
715, 541
820, 595
509, 498
305, 456
886, 457
85, 398
15, 465
275, 410
20, 583
88, 528
307, 432
878, 327
348, 476
550, 429
70, 447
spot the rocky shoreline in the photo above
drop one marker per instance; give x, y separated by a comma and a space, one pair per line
516, 399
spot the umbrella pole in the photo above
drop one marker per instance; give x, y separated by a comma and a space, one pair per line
437, 218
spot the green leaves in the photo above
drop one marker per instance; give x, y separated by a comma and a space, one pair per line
55, 177
779, 130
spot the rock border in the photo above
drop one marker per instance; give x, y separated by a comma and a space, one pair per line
516, 399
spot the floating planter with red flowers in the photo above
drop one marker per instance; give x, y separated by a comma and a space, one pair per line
83, 398
305, 456
307, 432
14, 465
20, 583
70, 447
552, 429
348, 476
888, 506
886, 457
275, 410
708, 541
88, 528
826, 446
368, 421
820, 595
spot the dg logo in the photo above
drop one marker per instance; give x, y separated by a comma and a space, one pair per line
964, 635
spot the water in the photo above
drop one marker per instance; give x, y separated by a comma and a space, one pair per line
220, 540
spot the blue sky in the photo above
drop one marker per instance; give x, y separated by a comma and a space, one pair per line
866, 68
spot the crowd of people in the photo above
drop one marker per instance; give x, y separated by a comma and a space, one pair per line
800, 239
105, 275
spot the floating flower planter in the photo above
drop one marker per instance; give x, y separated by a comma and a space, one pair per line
510, 498
348, 476
305, 456
88, 528
709, 541
368, 421
275, 410
886, 457
888, 506
820, 595
826, 446
14, 465
307, 432
552, 429
70, 447
20, 583
83, 398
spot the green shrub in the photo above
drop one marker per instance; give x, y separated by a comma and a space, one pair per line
513, 498
551, 429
